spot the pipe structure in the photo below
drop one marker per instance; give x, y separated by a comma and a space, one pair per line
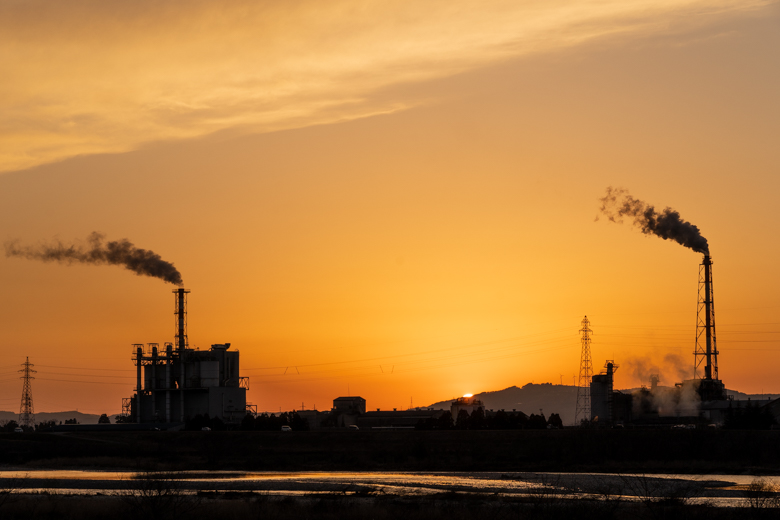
611, 366
181, 319
181, 340
168, 361
155, 360
139, 354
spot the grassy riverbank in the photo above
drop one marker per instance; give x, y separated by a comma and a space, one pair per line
445, 506
679, 451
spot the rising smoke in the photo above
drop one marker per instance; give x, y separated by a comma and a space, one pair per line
671, 401
666, 401
671, 368
667, 224
97, 252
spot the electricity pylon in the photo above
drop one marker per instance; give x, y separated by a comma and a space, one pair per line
26, 410
586, 374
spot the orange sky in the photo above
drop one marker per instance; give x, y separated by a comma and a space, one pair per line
395, 200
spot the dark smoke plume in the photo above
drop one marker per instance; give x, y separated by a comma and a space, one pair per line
667, 224
120, 252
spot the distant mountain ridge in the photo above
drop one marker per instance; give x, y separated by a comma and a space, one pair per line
551, 398
82, 418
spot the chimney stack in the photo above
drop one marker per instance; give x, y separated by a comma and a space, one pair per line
706, 353
181, 319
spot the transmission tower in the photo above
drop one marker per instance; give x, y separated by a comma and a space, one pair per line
586, 374
26, 410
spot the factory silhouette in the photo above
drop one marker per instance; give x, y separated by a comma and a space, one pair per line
181, 387
178, 386
699, 401
179, 382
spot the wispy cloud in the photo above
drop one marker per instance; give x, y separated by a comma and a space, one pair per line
95, 76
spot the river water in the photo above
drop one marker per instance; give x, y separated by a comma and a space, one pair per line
721, 490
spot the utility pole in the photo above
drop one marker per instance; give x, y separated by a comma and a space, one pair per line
26, 410
582, 412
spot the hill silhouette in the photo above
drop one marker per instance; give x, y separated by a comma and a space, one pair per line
82, 418
551, 398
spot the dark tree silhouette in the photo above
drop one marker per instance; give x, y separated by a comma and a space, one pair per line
477, 420
462, 421
751, 417
444, 422
10, 426
45, 425
536, 422
247, 423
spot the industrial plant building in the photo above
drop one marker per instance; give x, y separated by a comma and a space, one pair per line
608, 406
176, 383
350, 412
467, 403
700, 400
349, 405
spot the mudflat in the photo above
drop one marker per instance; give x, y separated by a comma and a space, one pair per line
618, 451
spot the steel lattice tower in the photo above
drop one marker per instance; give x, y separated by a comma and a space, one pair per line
706, 350
586, 374
710, 387
26, 410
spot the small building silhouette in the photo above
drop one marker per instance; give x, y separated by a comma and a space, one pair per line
469, 404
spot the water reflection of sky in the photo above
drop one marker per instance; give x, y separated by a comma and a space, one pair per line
724, 490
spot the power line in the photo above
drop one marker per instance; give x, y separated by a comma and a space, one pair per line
86, 368
87, 382
415, 369
365, 360
89, 375
467, 355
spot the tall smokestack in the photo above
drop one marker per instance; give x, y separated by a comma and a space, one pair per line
705, 325
710, 387
181, 319
618, 204
181, 343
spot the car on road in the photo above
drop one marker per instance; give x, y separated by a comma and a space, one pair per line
286, 428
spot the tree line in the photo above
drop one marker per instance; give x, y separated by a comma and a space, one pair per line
501, 420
